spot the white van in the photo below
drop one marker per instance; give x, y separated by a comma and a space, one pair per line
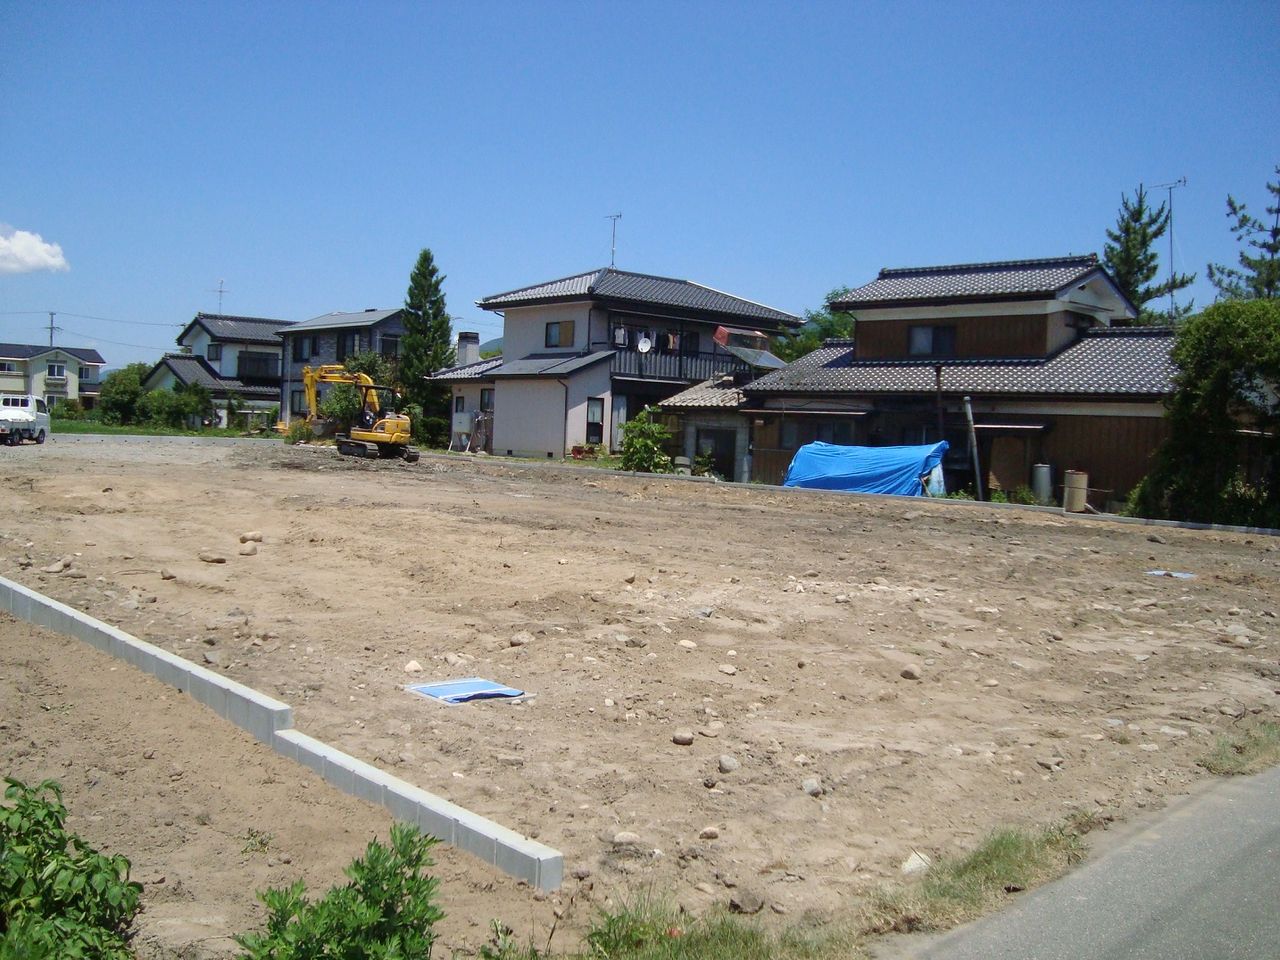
23, 417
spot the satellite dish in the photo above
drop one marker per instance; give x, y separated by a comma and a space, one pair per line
645, 345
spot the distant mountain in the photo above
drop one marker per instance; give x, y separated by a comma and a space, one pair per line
491, 346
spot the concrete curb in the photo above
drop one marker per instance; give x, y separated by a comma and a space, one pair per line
271, 721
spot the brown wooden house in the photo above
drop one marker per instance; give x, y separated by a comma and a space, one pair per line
1037, 345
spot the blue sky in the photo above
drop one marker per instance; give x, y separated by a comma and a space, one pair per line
304, 153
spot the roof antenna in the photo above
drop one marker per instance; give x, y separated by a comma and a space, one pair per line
220, 291
1180, 182
613, 243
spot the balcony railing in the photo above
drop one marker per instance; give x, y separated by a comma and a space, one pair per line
691, 367
251, 367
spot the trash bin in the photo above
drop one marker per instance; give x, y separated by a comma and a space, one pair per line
1075, 491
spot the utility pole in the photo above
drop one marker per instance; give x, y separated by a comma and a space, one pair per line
52, 327
613, 243
1180, 182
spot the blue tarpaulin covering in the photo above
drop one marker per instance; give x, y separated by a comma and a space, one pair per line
828, 466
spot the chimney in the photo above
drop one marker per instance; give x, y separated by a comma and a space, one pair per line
468, 348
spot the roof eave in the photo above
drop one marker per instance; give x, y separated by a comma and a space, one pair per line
853, 306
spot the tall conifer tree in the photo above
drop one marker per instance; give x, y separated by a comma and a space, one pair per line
1131, 259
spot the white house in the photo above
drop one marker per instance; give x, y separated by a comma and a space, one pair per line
54, 373
583, 353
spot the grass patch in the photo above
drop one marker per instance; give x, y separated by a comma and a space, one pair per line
648, 928
142, 430
1249, 749
961, 888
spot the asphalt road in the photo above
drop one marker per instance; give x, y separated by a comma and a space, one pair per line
1202, 882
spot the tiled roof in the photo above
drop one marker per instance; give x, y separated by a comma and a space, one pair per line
549, 364
479, 370
25, 351
190, 369
1105, 361
238, 329
622, 286
718, 392
1009, 279
333, 321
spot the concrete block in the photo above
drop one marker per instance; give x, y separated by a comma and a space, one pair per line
310, 752
432, 814
207, 689
550, 869
474, 834
256, 713
338, 772
284, 746
370, 782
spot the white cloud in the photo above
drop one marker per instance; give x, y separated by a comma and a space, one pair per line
25, 252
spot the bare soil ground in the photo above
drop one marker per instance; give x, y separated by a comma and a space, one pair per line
940, 669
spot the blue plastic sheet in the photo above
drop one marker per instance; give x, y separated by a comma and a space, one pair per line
897, 470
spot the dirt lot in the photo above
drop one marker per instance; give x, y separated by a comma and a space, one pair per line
937, 668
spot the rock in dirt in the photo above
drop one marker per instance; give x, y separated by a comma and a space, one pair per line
728, 764
56, 567
709, 833
728, 669
705, 612
910, 673
1155, 538
812, 786
167, 574
208, 556
1050, 763
916, 863
413, 666
629, 578
213, 657
521, 638
253, 536
580, 873
682, 738
636, 643
747, 901
625, 838
689, 644
249, 549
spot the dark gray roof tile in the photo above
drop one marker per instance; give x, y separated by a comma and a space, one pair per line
25, 351
238, 329
549, 364
480, 370
1123, 361
717, 393
190, 369
999, 279
641, 289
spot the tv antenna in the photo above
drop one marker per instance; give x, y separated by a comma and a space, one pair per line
1180, 182
613, 242
220, 291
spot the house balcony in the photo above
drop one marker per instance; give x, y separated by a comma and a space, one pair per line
253, 368
683, 367
51, 381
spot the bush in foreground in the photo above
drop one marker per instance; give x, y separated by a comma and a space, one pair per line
59, 897
387, 910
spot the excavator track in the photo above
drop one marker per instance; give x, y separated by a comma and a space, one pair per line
357, 448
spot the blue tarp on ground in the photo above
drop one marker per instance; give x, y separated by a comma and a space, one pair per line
828, 466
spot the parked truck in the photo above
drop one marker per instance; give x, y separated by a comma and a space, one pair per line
23, 417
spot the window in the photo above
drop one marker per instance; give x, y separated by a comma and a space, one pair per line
57, 370
929, 341
459, 404
213, 351
42, 407
595, 420
390, 346
297, 401
486, 399
8, 366
303, 348
84, 374
560, 334
689, 344
348, 344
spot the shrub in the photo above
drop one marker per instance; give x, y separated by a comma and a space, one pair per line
59, 897
299, 431
342, 404
68, 410
643, 441
387, 909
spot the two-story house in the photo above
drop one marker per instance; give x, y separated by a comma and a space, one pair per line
332, 338
52, 373
1030, 342
234, 358
583, 353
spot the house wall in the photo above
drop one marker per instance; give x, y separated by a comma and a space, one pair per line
41, 386
15, 382
976, 336
695, 420
524, 329
592, 382
529, 418
370, 338
470, 393
198, 341
1115, 451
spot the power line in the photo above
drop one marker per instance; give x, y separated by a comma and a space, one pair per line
114, 343
85, 316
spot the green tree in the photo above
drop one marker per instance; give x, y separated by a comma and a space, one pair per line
342, 404
120, 393
1130, 257
374, 365
427, 346
1221, 461
1258, 276
819, 325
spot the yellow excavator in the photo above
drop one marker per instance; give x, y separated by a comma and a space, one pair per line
379, 432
